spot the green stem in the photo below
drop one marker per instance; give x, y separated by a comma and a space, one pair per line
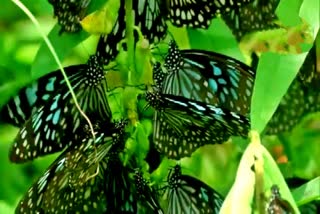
130, 39
55, 56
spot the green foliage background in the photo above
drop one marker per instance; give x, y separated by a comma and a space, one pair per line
23, 58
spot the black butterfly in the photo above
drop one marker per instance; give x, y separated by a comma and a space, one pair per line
146, 194
181, 125
147, 17
277, 205
51, 116
256, 16
76, 181
207, 77
185, 194
198, 13
69, 13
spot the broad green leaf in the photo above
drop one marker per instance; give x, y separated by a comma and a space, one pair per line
217, 38
274, 75
44, 62
288, 12
307, 192
101, 21
310, 11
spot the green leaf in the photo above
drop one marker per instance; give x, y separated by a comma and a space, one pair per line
44, 62
274, 75
217, 38
307, 192
310, 11
288, 12
242, 191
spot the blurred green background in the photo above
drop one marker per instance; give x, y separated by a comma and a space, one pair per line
297, 152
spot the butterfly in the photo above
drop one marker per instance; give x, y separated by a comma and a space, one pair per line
146, 194
186, 194
199, 13
69, 13
75, 182
277, 205
256, 16
147, 17
51, 116
182, 125
207, 77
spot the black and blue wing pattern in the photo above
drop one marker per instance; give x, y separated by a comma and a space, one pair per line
207, 77
54, 122
182, 125
256, 16
69, 13
77, 182
147, 17
186, 194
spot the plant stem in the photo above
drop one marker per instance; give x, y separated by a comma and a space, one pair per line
130, 39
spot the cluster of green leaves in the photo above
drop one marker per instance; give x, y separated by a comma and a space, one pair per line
25, 57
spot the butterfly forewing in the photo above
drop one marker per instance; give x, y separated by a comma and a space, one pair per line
209, 77
186, 194
256, 16
52, 126
198, 13
118, 188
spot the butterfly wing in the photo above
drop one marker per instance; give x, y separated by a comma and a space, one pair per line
147, 17
209, 77
52, 127
69, 13
146, 194
182, 125
56, 192
198, 14
186, 194
256, 16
